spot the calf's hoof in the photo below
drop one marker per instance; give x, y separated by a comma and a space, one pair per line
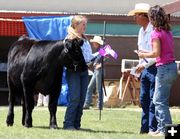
53, 127
10, 120
28, 125
9, 124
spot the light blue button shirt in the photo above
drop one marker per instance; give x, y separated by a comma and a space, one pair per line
144, 43
87, 51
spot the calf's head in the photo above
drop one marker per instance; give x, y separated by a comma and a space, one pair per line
74, 57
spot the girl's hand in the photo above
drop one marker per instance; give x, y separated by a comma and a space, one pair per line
141, 55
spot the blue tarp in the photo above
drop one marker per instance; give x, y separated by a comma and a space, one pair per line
47, 27
63, 98
50, 28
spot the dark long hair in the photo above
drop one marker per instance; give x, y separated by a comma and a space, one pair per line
159, 18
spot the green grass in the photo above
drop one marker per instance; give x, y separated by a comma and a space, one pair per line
119, 123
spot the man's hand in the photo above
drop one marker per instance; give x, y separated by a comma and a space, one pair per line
139, 68
97, 66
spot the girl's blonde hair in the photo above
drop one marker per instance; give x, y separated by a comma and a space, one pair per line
77, 19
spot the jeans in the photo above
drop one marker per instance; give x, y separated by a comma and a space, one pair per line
95, 82
166, 75
147, 88
77, 84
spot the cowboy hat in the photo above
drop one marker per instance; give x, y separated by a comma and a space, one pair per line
97, 39
140, 8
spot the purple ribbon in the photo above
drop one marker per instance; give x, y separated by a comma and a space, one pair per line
107, 50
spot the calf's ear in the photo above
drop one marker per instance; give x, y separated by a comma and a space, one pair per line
68, 43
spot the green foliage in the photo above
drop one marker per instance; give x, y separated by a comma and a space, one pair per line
114, 124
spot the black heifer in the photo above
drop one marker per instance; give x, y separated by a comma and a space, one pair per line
37, 66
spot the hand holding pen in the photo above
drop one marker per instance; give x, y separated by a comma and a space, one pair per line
140, 55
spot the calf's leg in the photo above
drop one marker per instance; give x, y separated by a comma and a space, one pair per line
28, 88
29, 106
53, 99
11, 99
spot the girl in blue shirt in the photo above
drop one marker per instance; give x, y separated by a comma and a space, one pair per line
77, 80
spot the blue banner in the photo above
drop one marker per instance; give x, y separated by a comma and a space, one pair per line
47, 27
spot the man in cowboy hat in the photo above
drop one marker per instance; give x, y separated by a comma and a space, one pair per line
146, 68
96, 79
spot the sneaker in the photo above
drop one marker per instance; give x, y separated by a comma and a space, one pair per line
151, 133
143, 132
69, 128
160, 134
78, 128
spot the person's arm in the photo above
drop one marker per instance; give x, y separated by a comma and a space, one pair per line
154, 53
151, 61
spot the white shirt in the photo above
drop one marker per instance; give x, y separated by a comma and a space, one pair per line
144, 43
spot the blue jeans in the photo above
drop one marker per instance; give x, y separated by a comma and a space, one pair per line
147, 88
166, 75
95, 82
77, 85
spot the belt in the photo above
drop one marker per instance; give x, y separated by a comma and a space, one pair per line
154, 65
167, 63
